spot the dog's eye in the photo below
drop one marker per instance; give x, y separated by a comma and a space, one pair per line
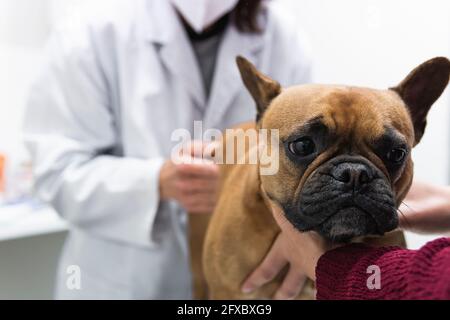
302, 147
396, 155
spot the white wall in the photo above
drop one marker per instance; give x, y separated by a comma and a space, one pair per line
24, 26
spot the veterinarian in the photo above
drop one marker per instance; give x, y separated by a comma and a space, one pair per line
343, 273
113, 89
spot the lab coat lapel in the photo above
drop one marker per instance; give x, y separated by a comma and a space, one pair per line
227, 82
176, 51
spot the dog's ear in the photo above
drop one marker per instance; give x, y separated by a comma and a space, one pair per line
421, 88
261, 87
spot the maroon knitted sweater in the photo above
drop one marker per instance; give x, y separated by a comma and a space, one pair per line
364, 273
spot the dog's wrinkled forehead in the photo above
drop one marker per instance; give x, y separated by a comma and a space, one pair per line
354, 114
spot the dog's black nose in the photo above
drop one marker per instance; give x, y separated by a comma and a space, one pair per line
352, 174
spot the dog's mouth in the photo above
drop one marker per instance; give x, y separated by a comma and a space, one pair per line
349, 217
341, 209
348, 223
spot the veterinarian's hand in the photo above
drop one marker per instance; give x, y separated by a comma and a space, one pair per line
194, 183
301, 251
426, 209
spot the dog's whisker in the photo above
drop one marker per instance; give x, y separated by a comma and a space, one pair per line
404, 216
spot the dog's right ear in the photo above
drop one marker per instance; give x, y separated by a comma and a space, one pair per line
262, 88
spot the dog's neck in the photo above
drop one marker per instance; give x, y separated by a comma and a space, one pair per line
256, 200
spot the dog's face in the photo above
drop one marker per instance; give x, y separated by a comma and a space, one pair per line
345, 152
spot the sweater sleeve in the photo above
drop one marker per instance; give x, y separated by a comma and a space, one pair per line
359, 272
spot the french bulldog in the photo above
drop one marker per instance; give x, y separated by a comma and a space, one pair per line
344, 168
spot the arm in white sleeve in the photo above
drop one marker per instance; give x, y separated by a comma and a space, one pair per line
68, 126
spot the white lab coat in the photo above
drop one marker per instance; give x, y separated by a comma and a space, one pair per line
99, 124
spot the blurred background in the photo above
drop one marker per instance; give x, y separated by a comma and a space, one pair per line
360, 42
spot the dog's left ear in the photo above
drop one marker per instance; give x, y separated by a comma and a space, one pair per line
262, 88
421, 88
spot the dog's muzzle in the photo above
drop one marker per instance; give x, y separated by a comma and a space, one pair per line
346, 197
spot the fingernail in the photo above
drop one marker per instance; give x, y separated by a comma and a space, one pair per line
247, 289
280, 296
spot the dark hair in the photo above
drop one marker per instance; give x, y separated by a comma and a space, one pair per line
246, 15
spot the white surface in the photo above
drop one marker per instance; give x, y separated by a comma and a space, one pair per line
24, 22
22, 221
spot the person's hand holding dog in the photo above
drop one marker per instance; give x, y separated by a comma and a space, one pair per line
426, 209
193, 183
300, 250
